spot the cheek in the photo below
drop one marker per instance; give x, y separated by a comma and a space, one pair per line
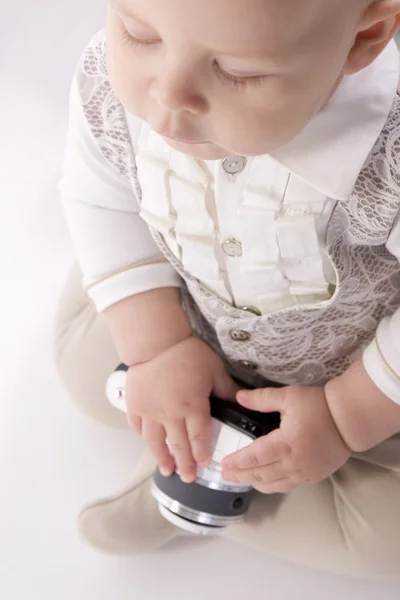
256, 130
273, 118
126, 81
126, 78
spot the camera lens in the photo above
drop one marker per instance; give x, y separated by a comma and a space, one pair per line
237, 504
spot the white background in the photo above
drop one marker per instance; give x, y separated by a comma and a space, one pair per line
52, 460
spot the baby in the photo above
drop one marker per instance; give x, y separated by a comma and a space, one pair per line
231, 185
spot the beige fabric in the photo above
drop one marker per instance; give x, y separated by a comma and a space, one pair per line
128, 522
347, 524
84, 353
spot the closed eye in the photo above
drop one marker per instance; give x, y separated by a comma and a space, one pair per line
131, 40
239, 81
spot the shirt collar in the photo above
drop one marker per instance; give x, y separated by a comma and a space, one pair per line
332, 149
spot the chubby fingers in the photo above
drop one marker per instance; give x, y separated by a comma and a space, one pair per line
265, 450
264, 465
283, 485
272, 479
263, 399
199, 434
181, 449
135, 423
155, 437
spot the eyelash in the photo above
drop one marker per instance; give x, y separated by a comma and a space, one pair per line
236, 82
239, 82
132, 41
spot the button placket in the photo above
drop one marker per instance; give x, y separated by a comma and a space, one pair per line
228, 185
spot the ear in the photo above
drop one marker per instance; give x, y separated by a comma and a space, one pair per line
379, 24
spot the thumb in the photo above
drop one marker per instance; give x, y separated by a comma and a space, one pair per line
262, 399
224, 386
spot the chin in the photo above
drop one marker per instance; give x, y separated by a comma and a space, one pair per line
204, 151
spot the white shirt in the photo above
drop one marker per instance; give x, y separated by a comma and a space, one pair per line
255, 239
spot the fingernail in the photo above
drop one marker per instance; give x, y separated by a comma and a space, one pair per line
187, 479
243, 395
165, 471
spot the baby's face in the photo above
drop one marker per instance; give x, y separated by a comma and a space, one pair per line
228, 76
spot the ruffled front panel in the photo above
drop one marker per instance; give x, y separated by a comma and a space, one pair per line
273, 220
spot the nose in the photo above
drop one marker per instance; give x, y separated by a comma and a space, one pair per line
175, 90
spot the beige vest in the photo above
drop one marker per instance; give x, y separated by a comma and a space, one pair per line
297, 346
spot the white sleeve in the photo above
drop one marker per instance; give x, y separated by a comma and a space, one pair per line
382, 356
113, 244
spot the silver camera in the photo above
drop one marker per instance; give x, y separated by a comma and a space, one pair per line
210, 503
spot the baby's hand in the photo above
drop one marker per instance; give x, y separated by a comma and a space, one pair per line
168, 397
305, 449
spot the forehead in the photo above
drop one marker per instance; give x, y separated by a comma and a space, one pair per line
243, 26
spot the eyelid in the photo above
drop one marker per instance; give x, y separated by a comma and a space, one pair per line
138, 38
132, 39
239, 80
242, 75
123, 16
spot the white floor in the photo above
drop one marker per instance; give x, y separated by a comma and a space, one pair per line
52, 460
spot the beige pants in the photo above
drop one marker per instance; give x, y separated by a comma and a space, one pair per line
349, 523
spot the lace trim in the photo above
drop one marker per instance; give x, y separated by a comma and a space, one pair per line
105, 114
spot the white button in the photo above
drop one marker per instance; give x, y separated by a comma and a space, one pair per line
233, 165
237, 335
232, 247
